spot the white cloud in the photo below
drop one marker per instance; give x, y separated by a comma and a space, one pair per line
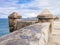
27, 10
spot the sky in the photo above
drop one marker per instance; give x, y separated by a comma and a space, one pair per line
28, 8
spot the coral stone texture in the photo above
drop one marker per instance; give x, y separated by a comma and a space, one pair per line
54, 38
29, 35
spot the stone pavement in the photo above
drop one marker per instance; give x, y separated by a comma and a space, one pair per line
54, 38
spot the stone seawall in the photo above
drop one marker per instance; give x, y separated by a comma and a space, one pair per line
36, 34
16, 22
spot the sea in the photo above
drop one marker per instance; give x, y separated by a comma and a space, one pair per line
4, 25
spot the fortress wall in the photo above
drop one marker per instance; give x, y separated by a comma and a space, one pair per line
45, 34
36, 34
22, 24
15, 24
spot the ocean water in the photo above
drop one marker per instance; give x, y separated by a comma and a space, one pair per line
4, 27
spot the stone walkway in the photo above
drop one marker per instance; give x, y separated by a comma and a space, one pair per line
54, 38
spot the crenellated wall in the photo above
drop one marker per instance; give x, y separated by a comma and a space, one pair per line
35, 34
26, 32
15, 22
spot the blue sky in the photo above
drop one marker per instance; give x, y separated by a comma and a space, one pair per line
28, 8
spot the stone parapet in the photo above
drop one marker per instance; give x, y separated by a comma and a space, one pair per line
36, 34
